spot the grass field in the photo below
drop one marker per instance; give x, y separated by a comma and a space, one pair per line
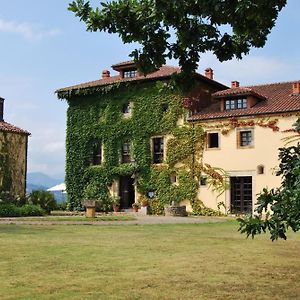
74, 218
195, 261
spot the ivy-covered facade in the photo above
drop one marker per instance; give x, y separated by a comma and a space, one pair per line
128, 136
13, 157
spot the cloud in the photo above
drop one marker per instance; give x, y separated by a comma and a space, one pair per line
28, 31
252, 69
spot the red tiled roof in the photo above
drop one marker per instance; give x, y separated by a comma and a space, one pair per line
279, 99
239, 91
6, 127
164, 71
124, 63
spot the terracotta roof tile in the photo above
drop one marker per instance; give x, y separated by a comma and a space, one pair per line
6, 127
164, 71
279, 99
239, 91
124, 63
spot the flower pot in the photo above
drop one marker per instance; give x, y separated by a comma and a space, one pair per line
116, 208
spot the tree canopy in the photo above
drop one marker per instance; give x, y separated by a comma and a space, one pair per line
183, 29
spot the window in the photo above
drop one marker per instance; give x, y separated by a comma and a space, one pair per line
126, 152
126, 108
173, 178
260, 169
130, 73
212, 140
158, 150
164, 107
97, 154
245, 138
203, 181
236, 103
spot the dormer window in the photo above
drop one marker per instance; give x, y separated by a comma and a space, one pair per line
130, 73
240, 103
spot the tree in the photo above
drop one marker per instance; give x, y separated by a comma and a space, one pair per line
279, 209
183, 29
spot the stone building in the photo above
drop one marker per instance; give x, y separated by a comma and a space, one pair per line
13, 156
139, 137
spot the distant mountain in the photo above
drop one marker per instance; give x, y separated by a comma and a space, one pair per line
38, 179
33, 187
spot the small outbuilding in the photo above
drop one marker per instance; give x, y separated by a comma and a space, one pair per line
13, 156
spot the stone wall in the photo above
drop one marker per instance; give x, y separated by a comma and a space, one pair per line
13, 156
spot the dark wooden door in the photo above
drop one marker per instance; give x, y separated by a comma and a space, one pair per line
241, 194
126, 191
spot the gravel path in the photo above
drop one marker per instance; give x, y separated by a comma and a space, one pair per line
140, 220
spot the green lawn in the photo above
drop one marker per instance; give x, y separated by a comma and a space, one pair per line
75, 218
195, 261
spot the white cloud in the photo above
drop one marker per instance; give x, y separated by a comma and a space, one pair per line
28, 31
250, 70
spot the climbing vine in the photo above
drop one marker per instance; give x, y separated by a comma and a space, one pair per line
96, 115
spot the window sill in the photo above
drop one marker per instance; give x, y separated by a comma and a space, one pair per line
245, 147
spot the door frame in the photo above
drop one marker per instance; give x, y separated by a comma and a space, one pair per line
133, 190
246, 173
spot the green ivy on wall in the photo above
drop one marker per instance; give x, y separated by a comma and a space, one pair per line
96, 115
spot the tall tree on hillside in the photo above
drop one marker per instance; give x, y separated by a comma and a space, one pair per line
183, 29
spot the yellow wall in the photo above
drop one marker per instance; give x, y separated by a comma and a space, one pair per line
244, 162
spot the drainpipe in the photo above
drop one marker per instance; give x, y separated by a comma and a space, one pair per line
193, 157
26, 152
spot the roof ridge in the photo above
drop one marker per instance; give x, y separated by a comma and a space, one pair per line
273, 83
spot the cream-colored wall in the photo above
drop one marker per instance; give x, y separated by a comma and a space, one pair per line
244, 162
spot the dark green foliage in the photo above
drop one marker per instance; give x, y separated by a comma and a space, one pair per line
44, 199
61, 206
11, 210
8, 198
31, 210
100, 117
281, 206
183, 29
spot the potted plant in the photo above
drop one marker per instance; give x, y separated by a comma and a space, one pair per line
115, 200
135, 206
90, 197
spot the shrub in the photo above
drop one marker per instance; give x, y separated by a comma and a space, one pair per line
44, 199
104, 205
61, 206
156, 207
199, 209
9, 210
31, 210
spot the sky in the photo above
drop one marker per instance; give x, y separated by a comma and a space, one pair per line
43, 47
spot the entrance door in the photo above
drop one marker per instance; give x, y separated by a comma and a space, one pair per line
241, 194
126, 191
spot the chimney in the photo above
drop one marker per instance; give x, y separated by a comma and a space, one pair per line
296, 88
209, 73
105, 74
235, 84
1, 109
